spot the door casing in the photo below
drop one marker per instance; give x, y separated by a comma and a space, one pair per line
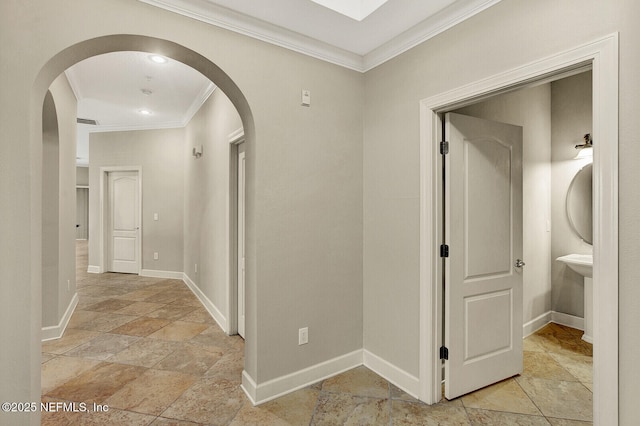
240, 241
104, 205
235, 138
602, 57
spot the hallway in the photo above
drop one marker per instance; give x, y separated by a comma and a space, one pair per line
148, 350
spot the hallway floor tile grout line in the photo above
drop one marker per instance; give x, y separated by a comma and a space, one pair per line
147, 349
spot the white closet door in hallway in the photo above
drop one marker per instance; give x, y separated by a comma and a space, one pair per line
124, 222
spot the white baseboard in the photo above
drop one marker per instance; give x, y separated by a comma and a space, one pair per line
264, 392
552, 316
92, 269
405, 381
153, 273
56, 331
208, 304
568, 320
249, 387
536, 324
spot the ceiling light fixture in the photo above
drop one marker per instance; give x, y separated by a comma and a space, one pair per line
158, 59
144, 112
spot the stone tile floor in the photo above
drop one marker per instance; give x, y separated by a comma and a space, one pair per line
148, 350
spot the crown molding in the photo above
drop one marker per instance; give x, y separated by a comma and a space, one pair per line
243, 24
198, 102
260, 30
427, 29
133, 127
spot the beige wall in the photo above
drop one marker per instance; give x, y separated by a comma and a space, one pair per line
59, 202
507, 35
531, 109
82, 176
159, 154
319, 197
304, 177
571, 111
50, 211
206, 198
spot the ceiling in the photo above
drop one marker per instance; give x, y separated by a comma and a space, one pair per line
310, 28
114, 88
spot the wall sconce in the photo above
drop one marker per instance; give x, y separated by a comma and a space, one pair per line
197, 151
585, 150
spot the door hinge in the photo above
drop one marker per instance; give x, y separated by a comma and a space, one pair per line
444, 352
444, 250
444, 147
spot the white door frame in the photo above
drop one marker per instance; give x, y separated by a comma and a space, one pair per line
602, 57
235, 139
104, 205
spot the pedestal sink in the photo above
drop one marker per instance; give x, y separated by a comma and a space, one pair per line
583, 265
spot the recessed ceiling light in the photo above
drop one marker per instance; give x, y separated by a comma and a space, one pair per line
144, 112
158, 59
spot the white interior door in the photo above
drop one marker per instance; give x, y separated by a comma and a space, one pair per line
82, 213
483, 229
124, 222
241, 208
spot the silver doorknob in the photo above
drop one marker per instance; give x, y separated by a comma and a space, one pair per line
519, 263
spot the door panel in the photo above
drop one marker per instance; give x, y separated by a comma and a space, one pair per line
124, 222
487, 166
483, 288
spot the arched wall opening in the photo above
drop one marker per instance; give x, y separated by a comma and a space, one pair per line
97, 46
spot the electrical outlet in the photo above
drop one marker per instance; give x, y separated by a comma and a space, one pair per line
303, 336
155, 255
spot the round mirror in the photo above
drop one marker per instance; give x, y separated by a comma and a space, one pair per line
579, 204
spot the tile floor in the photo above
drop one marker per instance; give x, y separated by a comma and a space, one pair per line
147, 349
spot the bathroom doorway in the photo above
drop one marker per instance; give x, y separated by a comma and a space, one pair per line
601, 57
549, 120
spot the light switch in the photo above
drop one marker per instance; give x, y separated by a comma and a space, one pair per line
303, 336
306, 98
155, 216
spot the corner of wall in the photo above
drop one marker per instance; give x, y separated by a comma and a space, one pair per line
275, 388
208, 304
56, 331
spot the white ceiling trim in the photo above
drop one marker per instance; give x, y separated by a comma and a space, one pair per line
261, 30
273, 34
198, 102
427, 29
132, 127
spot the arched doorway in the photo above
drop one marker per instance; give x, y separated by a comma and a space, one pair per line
94, 47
